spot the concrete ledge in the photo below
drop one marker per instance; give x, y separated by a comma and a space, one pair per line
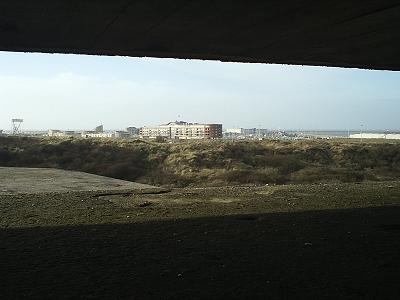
37, 180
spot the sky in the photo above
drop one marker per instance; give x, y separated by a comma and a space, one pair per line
54, 91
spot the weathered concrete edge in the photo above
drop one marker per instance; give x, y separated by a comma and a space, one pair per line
94, 193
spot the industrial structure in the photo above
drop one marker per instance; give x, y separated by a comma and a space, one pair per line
183, 130
16, 126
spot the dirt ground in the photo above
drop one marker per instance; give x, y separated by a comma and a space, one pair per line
322, 241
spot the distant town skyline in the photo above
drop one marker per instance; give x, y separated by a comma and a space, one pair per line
53, 91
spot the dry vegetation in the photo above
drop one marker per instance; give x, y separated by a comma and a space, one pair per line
210, 163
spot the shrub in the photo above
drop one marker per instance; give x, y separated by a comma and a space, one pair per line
5, 156
209, 162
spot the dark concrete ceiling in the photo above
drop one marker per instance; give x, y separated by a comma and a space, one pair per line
345, 33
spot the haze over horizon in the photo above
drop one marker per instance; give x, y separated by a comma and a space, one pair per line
80, 92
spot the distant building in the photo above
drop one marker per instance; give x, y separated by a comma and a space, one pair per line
95, 134
247, 132
60, 133
98, 133
72, 133
234, 130
99, 128
102, 135
251, 131
55, 133
154, 132
183, 130
387, 136
133, 131
1, 132
122, 134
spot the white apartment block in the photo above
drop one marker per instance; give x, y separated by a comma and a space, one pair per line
154, 132
183, 130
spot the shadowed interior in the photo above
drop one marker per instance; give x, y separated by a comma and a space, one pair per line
346, 254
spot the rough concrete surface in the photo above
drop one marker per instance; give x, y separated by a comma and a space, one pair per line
320, 241
355, 33
37, 180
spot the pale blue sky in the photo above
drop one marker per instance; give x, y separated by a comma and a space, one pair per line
80, 92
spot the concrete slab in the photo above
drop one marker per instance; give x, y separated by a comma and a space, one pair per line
38, 180
356, 33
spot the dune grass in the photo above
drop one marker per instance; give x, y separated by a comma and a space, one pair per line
210, 163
